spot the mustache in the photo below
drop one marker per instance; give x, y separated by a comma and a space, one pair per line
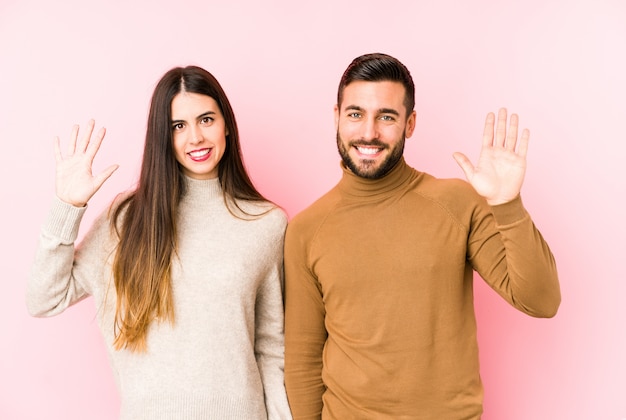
372, 142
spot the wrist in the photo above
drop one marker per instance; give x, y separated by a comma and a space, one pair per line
499, 201
76, 204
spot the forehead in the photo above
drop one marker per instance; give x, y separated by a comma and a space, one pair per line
376, 95
192, 104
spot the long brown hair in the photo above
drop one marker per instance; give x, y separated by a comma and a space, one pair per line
147, 229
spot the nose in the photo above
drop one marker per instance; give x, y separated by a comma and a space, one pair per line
369, 129
195, 135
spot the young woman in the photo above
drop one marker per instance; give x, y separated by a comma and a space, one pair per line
186, 270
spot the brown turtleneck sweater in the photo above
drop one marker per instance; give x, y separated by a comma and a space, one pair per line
379, 306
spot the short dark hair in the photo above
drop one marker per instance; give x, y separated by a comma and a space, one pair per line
378, 67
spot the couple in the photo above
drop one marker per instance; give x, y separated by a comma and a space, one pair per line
187, 269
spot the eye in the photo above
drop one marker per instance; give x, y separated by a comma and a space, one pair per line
354, 115
206, 120
387, 118
177, 126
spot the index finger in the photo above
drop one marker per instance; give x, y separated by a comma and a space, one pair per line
488, 130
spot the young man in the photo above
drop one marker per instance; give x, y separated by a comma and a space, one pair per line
379, 307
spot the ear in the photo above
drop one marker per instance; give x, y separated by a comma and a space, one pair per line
410, 125
336, 117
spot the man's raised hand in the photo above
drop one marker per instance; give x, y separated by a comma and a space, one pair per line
499, 173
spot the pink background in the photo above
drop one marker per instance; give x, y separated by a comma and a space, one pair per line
560, 64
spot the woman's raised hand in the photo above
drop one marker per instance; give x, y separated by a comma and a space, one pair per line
75, 183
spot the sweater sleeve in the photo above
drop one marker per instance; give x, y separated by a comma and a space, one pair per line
305, 331
514, 259
57, 279
269, 334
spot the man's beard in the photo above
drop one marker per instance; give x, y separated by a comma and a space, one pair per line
366, 168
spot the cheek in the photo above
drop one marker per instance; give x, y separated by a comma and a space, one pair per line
346, 131
221, 143
218, 133
179, 148
393, 133
176, 145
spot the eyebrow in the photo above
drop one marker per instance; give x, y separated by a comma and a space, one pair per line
199, 117
379, 111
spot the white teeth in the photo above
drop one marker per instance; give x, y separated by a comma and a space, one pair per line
199, 153
367, 150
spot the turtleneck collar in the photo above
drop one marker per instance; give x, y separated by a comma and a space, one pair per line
205, 188
356, 186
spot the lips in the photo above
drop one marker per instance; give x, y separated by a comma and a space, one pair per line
199, 155
368, 150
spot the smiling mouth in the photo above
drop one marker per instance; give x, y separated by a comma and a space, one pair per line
199, 155
368, 150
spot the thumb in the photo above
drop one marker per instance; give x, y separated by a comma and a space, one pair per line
104, 175
465, 164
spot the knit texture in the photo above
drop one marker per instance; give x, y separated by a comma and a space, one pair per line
223, 356
379, 295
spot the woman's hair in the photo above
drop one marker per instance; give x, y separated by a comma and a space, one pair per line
147, 230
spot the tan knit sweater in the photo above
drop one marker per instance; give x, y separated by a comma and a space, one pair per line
223, 357
379, 306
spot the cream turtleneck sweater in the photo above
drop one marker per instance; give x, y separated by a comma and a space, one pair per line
223, 357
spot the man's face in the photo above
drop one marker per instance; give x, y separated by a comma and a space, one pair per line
372, 124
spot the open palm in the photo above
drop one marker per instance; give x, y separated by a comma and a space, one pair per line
499, 173
75, 183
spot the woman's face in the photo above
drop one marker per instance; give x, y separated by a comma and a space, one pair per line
199, 134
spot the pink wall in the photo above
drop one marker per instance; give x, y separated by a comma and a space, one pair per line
560, 64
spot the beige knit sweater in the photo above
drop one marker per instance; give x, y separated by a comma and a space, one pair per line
223, 357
